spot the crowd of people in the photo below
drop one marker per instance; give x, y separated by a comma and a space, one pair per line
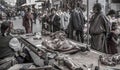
103, 29
70, 19
11, 51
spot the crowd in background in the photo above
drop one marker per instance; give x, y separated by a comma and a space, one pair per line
103, 29
68, 19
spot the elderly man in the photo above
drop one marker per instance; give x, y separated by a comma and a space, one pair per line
99, 28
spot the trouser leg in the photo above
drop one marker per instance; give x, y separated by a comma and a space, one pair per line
80, 36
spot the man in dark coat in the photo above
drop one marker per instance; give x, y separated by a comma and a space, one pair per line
54, 21
99, 28
78, 21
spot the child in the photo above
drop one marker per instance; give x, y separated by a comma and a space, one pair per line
112, 41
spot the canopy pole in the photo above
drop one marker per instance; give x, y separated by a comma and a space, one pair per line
87, 22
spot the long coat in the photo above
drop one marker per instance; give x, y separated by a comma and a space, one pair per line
54, 23
99, 28
77, 20
27, 22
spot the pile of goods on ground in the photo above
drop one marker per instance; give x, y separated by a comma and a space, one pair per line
59, 42
110, 60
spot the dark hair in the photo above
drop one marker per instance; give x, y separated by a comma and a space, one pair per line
29, 9
114, 25
111, 12
53, 9
97, 6
5, 25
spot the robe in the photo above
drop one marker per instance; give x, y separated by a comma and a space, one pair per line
27, 22
99, 28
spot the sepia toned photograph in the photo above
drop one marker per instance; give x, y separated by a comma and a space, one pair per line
59, 34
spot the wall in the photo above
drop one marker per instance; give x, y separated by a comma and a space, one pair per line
115, 6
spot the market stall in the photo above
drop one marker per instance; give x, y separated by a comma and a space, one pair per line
81, 60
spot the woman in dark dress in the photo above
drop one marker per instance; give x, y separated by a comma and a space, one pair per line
113, 40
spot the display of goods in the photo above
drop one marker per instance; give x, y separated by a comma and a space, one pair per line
110, 60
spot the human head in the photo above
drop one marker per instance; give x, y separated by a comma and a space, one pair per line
115, 28
29, 9
45, 12
97, 8
114, 25
111, 13
5, 27
53, 10
79, 3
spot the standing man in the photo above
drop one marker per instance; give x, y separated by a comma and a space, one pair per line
99, 28
34, 14
54, 21
27, 21
77, 20
45, 18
